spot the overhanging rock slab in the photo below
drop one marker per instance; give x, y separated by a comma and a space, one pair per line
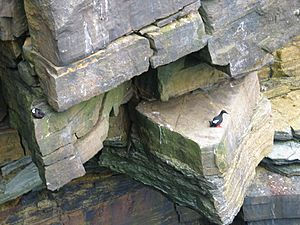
177, 39
120, 61
195, 165
75, 29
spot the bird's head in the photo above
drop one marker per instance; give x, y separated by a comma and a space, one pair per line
223, 111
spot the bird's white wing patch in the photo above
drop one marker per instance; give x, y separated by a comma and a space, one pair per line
215, 121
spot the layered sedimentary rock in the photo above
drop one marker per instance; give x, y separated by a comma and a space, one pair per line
272, 199
98, 199
17, 178
177, 78
197, 166
121, 60
73, 33
10, 146
60, 142
244, 31
13, 21
94, 75
175, 40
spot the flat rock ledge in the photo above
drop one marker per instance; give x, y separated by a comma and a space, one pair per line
272, 199
104, 70
197, 166
284, 158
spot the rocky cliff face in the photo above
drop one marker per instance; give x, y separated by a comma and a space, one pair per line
135, 83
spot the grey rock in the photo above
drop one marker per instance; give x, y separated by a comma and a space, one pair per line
27, 74
13, 165
288, 169
13, 21
24, 180
296, 133
72, 33
181, 156
244, 31
10, 52
106, 69
292, 221
283, 135
284, 159
186, 10
61, 141
118, 129
288, 151
176, 39
272, 197
63, 171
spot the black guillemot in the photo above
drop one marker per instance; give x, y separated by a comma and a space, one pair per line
37, 113
217, 120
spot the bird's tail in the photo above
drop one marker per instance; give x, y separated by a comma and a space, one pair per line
211, 123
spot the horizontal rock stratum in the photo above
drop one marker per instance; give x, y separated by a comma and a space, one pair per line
207, 169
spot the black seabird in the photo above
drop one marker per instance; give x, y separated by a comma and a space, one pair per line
217, 120
37, 113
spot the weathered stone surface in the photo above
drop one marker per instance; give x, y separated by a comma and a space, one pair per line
25, 177
276, 222
187, 79
10, 145
284, 159
27, 74
73, 33
94, 75
272, 197
94, 199
185, 10
286, 112
13, 21
176, 39
288, 58
10, 52
61, 141
92, 143
118, 129
177, 78
244, 31
193, 164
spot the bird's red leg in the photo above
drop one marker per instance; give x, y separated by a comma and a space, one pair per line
219, 126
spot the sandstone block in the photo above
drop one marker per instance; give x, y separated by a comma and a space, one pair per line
286, 113
176, 39
198, 166
73, 33
94, 75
